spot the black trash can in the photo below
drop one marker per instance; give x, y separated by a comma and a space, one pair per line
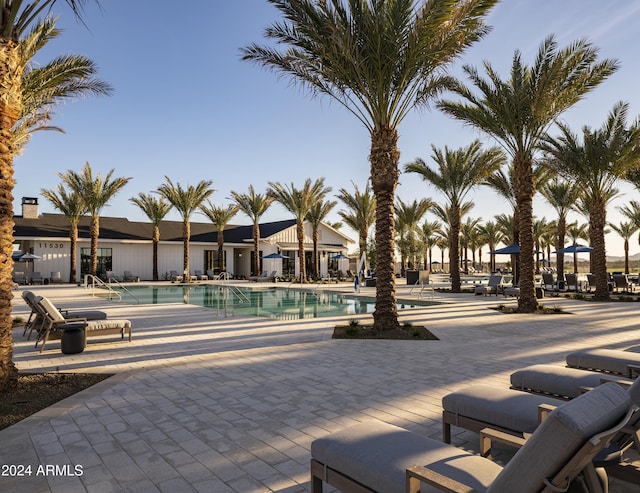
74, 339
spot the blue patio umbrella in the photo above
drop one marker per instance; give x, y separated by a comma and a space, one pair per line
575, 249
508, 250
275, 255
339, 256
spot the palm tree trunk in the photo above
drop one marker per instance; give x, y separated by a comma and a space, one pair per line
186, 235
155, 239
562, 231
454, 249
94, 231
73, 255
303, 267
221, 251
316, 256
256, 248
10, 106
597, 224
384, 159
525, 187
626, 256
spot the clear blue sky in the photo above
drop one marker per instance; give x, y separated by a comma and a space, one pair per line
186, 106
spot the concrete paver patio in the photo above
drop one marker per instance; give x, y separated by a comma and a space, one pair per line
204, 403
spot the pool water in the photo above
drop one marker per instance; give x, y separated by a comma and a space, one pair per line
277, 303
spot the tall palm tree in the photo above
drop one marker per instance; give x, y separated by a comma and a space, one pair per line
299, 202
220, 216
458, 172
316, 215
254, 205
429, 236
576, 232
561, 195
470, 237
186, 201
632, 212
407, 218
45, 86
625, 230
492, 236
155, 208
73, 207
96, 192
16, 17
379, 60
518, 111
541, 228
596, 164
360, 213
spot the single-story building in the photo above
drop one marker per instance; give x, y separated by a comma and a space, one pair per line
126, 246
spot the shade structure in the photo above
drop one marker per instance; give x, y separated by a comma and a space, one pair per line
275, 255
339, 256
508, 250
28, 258
575, 249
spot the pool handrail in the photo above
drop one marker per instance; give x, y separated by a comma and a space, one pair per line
96, 281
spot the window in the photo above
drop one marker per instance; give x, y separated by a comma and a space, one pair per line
105, 261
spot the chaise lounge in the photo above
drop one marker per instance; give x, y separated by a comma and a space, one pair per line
55, 324
616, 361
493, 286
378, 457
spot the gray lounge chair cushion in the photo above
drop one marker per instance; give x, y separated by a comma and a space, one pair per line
557, 380
89, 314
560, 436
505, 408
609, 360
377, 455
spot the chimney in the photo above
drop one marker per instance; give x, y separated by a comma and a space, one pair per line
30, 207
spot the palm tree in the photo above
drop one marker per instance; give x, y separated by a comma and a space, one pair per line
254, 205
17, 17
561, 195
541, 228
625, 230
96, 193
632, 212
186, 201
492, 236
220, 216
155, 208
360, 214
576, 232
299, 202
406, 224
471, 240
316, 215
518, 111
44, 87
429, 236
73, 207
458, 172
379, 60
596, 164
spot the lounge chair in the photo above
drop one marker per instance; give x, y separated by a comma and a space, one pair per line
128, 276
19, 277
616, 361
378, 457
175, 277
55, 278
591, 281
493, 286
55, 323
572, 283
621, 281
548, 282
560, 381
512, 290
36, 278
201, 276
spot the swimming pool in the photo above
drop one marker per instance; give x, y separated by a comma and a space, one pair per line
277, 303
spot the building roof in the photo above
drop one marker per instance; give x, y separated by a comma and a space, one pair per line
117, 228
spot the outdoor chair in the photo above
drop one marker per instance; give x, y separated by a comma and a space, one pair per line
548, 282
201, 276
493, 286
55, 323
55, 278
572, 282
175, 277
379, 457
616, 361
621, 281
19, 277
128, 276
36, 278
512, 290
591, 281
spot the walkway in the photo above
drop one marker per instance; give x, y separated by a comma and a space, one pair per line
202, 403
